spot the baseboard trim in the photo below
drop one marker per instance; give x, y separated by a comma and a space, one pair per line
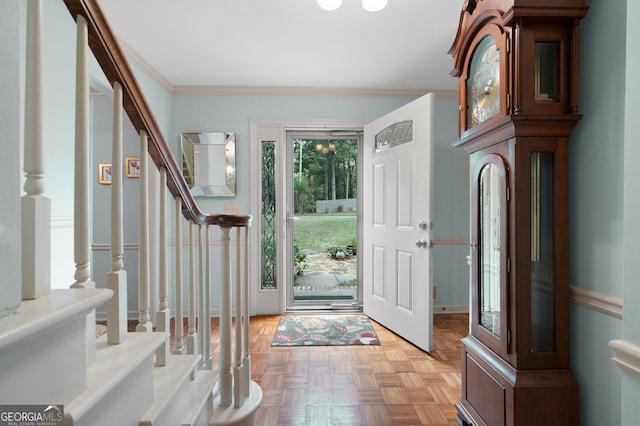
450, 309
597, 301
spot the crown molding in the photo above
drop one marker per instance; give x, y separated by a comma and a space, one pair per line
139, 61
305, 91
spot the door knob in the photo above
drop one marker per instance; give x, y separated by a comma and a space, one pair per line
421, 243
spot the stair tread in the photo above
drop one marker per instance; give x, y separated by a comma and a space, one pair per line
202, 386
167, 381
113, 363
38, 315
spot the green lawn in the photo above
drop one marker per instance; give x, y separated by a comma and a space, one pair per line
317, 232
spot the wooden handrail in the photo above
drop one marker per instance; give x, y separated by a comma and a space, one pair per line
110, 57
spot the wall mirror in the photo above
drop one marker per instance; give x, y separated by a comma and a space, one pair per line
209, 163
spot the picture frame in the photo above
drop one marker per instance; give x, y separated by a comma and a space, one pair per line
132, 167
104, 173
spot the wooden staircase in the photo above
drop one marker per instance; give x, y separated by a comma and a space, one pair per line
48, 350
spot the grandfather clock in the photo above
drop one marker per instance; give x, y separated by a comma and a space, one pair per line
517, 64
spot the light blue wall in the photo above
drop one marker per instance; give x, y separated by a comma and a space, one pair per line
597, 224
59, 75
450, 209
631, 330
10, 136
596, 149
159, 98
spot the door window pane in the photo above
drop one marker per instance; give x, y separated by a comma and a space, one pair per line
268, 219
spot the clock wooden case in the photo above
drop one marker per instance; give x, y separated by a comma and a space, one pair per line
517, 64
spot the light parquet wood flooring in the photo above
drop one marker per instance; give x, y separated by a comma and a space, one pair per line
392, 384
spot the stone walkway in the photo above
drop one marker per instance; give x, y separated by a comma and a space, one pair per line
323, 276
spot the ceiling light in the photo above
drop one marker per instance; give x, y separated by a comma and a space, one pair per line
329, 4
368, 5
373, 5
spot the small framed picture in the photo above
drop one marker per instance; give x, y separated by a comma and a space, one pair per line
132, 167
104, 173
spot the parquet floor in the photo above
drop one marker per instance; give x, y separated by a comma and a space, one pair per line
391, 384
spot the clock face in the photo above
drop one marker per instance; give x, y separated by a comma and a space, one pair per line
483, 83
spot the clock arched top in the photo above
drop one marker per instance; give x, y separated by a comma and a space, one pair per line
493, 30
468, 29
484, 79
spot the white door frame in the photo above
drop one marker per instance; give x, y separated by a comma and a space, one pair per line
326, 133
274, 301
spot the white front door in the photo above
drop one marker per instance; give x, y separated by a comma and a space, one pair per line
397, 194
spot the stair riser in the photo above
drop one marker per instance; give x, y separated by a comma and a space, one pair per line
47, 367
205, 414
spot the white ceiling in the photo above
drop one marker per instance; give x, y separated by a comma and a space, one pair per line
291, 43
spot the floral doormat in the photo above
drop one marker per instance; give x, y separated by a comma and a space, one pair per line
325, 331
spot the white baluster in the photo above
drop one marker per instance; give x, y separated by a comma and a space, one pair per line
246, 362
144, 318
191, 331
206, 330
224, 356
117, 277
201, 313
81, 179
36, 208
238, 370
178, 325
163, 316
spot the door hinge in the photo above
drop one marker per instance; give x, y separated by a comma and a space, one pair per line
508, 193
508, 44
508, 101
509, 265
508, 337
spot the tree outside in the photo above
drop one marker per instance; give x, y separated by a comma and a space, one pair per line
325, 192
325, 169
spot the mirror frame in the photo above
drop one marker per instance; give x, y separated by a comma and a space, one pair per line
191, 145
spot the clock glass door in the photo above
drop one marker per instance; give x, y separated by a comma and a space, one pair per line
490, 249
542, 253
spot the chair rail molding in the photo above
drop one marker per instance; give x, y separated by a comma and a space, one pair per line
597, 301
626, 356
